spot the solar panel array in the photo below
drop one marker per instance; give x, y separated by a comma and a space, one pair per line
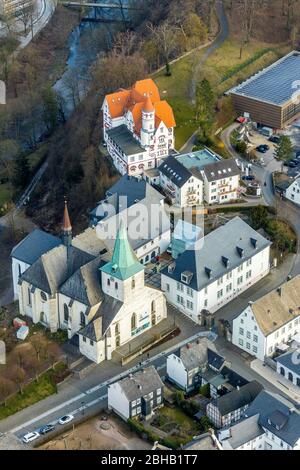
275, 84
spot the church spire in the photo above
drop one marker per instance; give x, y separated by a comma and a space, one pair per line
124, 263
66, 227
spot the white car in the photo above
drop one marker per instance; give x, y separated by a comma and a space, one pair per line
31, 436
65, 419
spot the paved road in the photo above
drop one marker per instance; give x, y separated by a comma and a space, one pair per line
73, 399
223, 35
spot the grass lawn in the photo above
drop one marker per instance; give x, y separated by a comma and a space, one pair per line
32, 393
180, 427
224, 69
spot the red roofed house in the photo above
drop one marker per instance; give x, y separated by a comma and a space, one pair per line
138, 128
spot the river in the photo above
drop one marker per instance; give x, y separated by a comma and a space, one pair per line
87, 41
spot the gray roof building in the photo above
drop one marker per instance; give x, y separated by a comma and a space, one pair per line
105, 315
124, 141
290, 360
223, 250
35, 245
53, 268
221, 170
215, 361
194, 355
276, 415
141, 383
85, 284
242, 432
175, 171
237, 398
135, 189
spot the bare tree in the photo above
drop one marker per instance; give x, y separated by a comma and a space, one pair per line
6, 388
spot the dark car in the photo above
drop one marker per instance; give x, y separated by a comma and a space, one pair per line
275, 139
292, 164
262, 149
47, 428
248, 178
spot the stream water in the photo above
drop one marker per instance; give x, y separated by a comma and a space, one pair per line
85, 43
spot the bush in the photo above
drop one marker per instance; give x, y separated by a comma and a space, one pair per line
205, 423
241, 147
140, 430
205, 390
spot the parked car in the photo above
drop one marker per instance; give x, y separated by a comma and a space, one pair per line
248, 178
47, 428
262, 148
292, 164
31, 436
275, 139
66, 419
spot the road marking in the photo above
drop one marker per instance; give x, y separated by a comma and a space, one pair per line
208, 334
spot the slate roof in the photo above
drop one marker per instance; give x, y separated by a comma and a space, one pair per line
84, 285
34, 245
135, 189
274, 84
141, 383
203, 442
278, 307
221, 170
238, 398
194, 355
276, 415
123, 139
215, 360
175, 171
231, 241
50, 271
290, 360
105, 315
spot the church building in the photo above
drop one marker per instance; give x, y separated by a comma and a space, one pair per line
101, 300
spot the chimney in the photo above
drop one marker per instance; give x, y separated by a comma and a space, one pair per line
279, 292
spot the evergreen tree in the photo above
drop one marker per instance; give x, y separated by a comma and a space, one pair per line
51, 108
284, 150
205, 106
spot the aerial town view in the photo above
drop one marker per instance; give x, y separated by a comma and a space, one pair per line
149, 228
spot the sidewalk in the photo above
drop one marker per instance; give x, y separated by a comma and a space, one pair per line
277, 380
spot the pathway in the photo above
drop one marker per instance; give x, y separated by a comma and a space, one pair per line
221, 38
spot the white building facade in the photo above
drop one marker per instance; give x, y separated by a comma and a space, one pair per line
138, 128
221, 182
293, 192
210, 277
269, 322
182, 186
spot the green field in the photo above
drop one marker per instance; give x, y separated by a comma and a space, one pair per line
32, 393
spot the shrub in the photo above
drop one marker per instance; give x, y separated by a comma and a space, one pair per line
205, 390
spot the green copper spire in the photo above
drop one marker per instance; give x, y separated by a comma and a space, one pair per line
124, 263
